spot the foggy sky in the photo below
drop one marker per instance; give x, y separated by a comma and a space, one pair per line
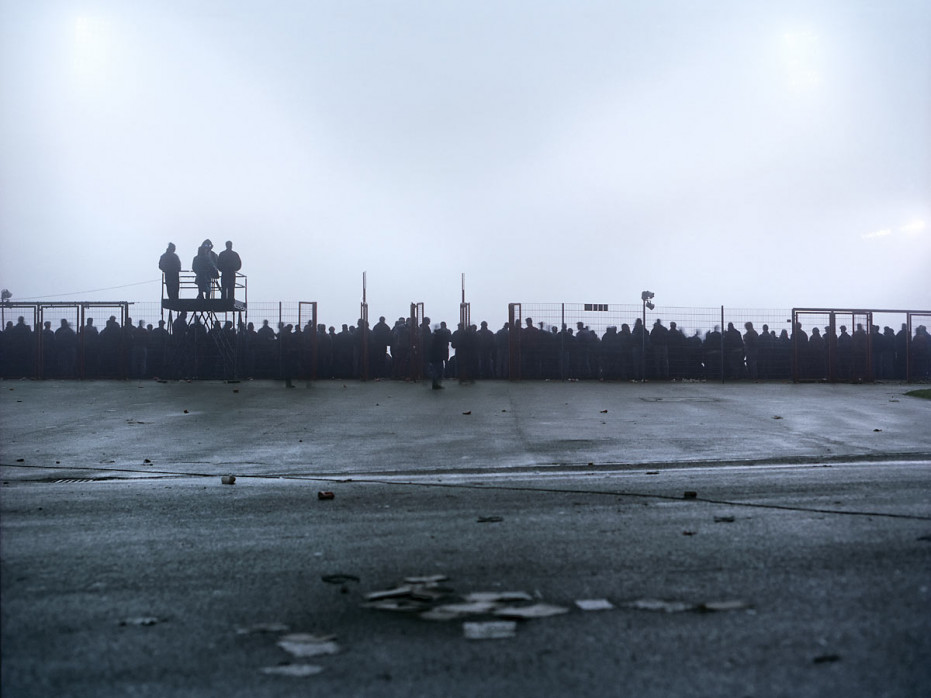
751, 154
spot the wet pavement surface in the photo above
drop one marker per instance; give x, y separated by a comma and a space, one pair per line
749, 540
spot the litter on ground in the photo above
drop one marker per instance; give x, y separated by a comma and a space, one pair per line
489, 630
307, 645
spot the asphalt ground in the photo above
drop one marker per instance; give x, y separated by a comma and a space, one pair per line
750, 539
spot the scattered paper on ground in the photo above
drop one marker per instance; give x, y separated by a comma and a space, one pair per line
431, 579
539, 610
496, 596
295, 670
735, 605
399, 605
594, 604
389, 593
659, 605
472, 608
306, 645
490, 630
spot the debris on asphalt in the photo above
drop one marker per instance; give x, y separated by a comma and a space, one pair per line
430, 579
717, 606
594, 604
390, 593
467, 413
689, 494
228, 479
724, 519
489, 630
490, 519
296, 670
437, 603
689, 533
339, 578
325, 495
307, 645
777, 417
498, 596
826, 658
421, 592
262, 628
538, 610
469, 608
604, 412
398, 605
142, 621
877, 429
652, 472
660, 605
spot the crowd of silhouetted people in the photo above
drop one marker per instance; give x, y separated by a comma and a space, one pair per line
190, 349
667, 353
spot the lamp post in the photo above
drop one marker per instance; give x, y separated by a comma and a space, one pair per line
645, 296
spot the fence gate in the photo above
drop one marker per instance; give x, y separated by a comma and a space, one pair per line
416, 352
308, 310
843, 352
515, 322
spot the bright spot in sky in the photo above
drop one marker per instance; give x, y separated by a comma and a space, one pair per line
910, 229
90, 56
802, 49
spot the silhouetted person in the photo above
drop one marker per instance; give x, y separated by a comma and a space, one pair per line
158, 349
205, 271
921, 354
713, 354
48, 350
88, 344
289, 344
139, 354
659, 336
752, 350
485, 339
66, 348
675, 341
844, 354
180, 346
170, 264
438, 348
502, 351
442, 337
638, 350
228, 263
381, 338
901, 352
817, 354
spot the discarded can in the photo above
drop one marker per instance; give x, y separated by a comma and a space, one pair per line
228, 479
325, 495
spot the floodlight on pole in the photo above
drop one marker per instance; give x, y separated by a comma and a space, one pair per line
645, 296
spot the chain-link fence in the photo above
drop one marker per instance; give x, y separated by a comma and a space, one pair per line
568, 341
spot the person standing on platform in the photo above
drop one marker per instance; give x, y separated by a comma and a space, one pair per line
228, 262
205, 271
170, 264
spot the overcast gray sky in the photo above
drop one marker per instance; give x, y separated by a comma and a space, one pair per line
752, 154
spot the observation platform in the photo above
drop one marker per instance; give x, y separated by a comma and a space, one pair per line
204, 305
